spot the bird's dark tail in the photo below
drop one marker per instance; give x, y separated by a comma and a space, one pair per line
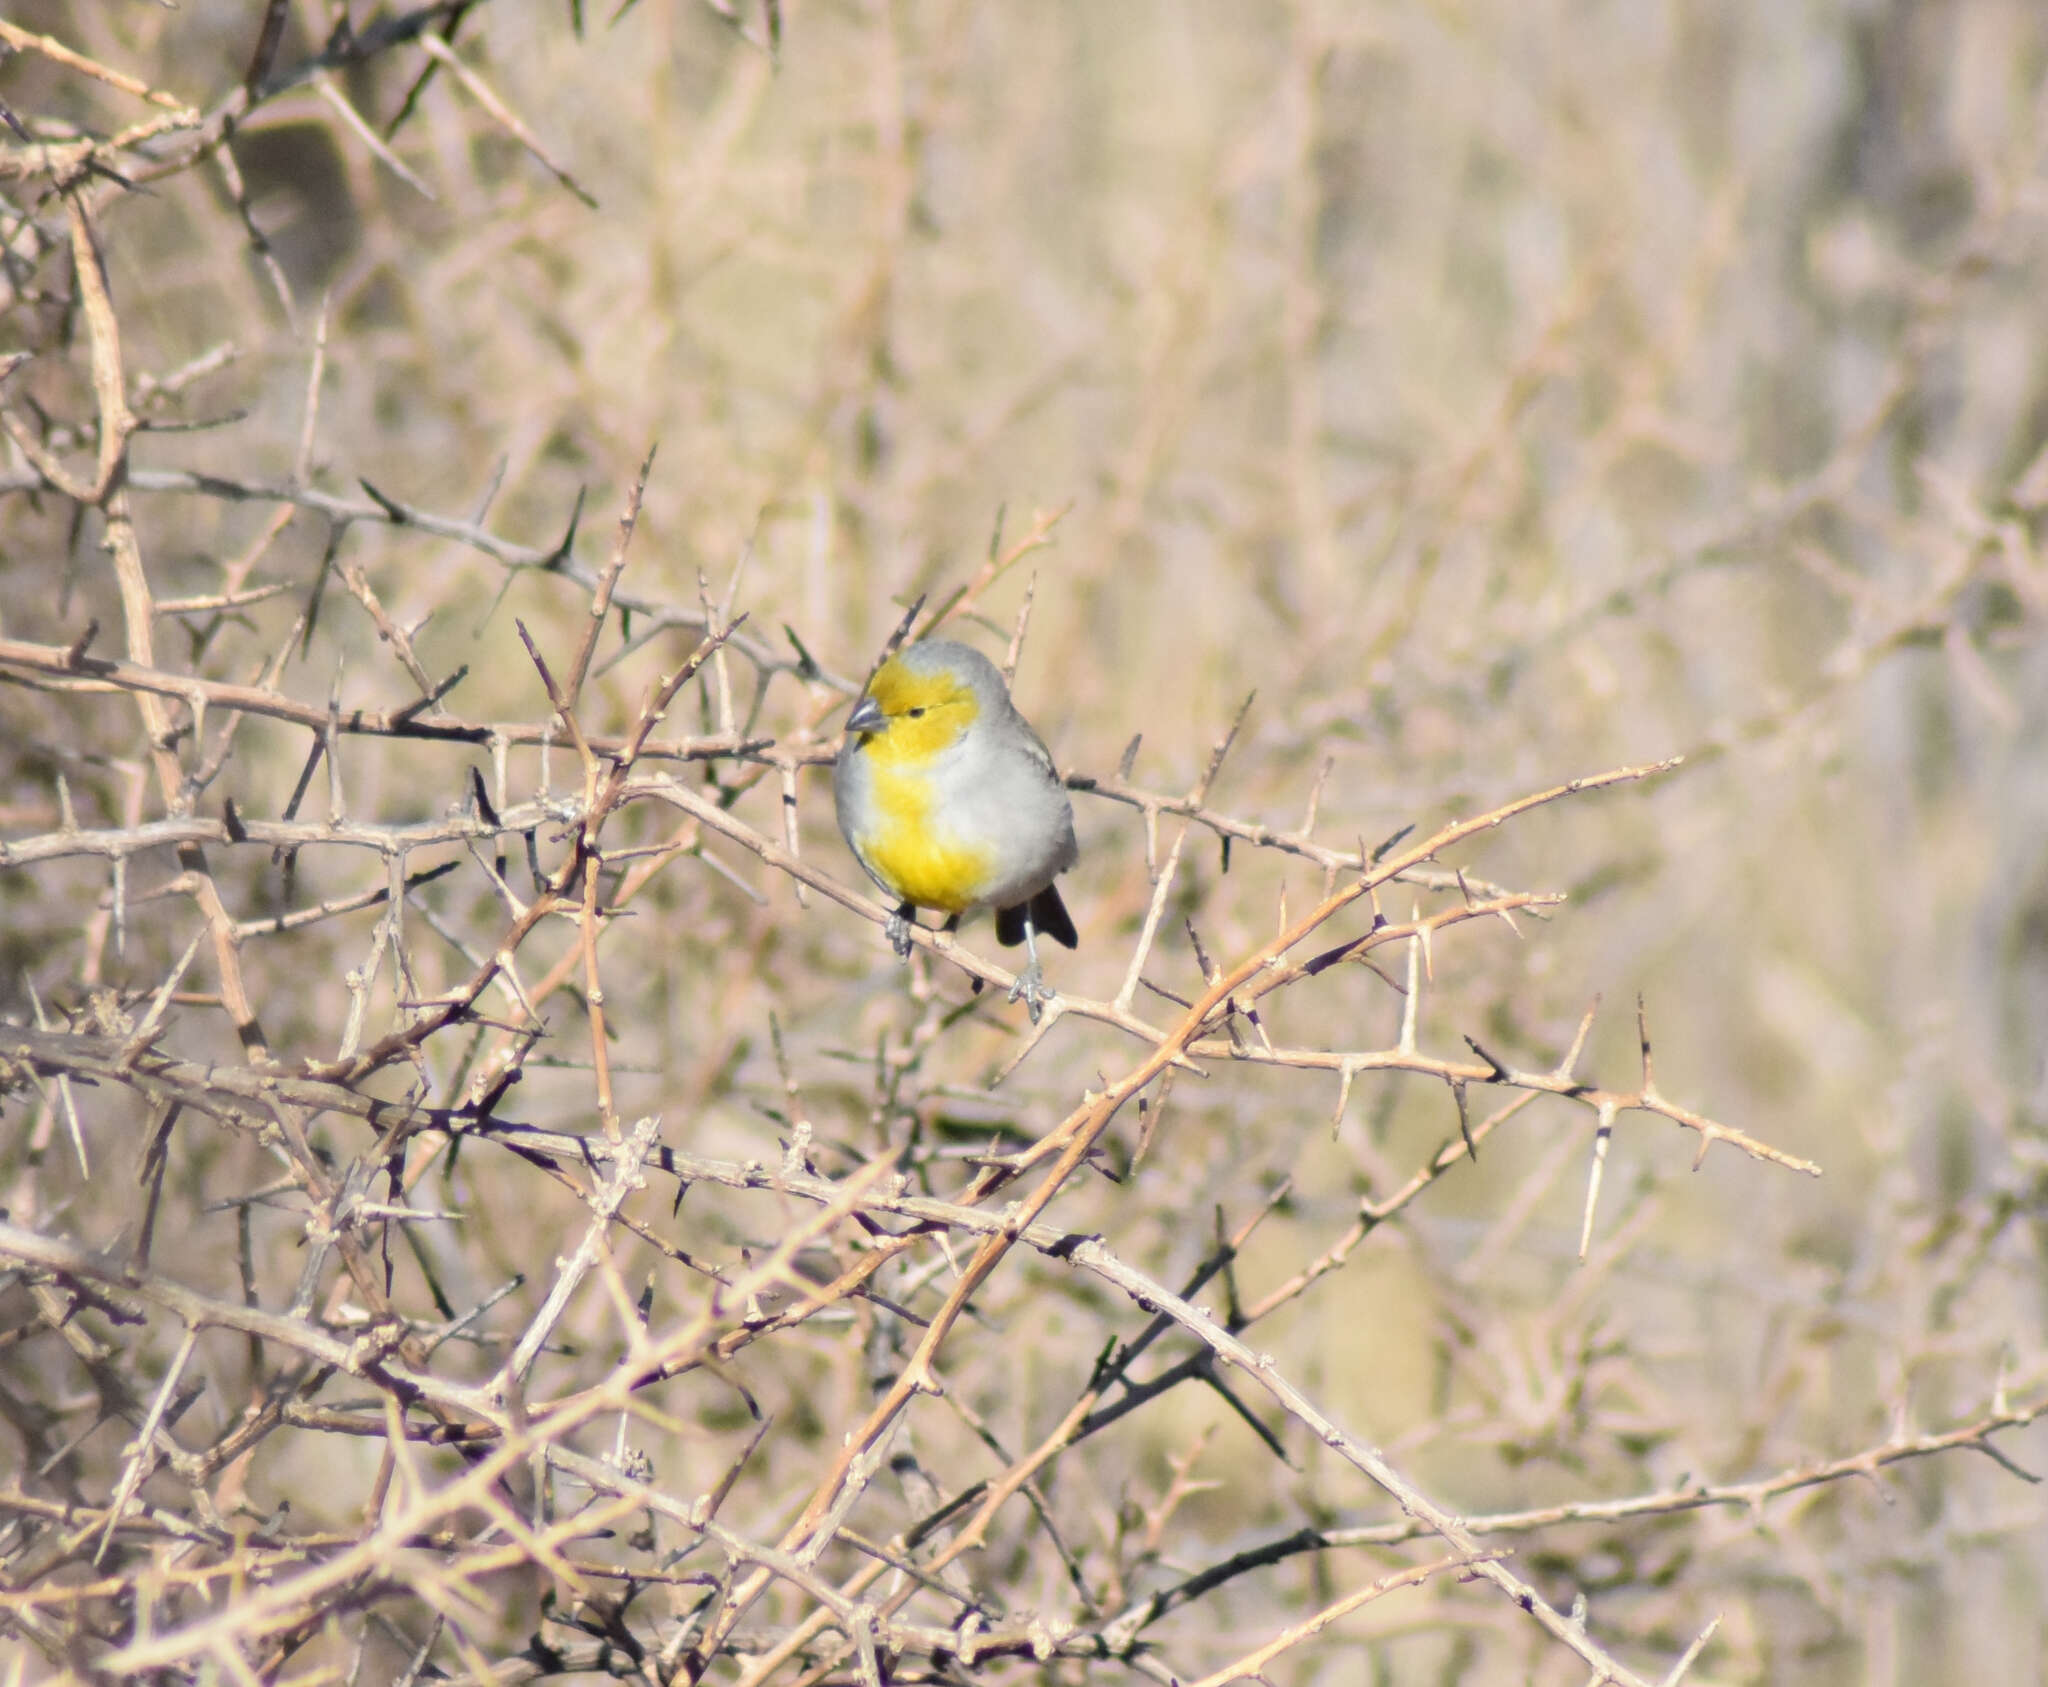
1049, 917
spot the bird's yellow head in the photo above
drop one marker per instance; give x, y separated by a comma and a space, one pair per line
919, 704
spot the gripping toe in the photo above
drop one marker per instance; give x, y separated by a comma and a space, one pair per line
898, 930
1030, 986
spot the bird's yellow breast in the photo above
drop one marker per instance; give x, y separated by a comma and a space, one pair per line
921, 859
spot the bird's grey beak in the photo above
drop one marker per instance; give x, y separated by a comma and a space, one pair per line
867, 716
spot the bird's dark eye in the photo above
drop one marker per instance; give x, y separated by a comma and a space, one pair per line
916, 713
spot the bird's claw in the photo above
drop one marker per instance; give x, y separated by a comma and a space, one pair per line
898, 930
1031, 987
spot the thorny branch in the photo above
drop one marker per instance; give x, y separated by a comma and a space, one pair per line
499, 1425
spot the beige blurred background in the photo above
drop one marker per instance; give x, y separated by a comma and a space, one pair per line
1503, 392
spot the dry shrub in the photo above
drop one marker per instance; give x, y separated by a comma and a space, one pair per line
481, 1198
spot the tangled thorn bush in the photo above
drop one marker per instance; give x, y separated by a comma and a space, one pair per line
482, 1198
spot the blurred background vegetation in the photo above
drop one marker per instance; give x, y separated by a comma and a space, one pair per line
1501, 391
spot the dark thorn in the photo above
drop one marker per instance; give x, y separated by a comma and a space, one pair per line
74, 652
560, 554
806, 664
396, 514
1500, 1072
418, 704
291, 809
1251, 1421
1330, 957
482, 797
1380, 854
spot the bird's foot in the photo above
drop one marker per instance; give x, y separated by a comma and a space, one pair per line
898, 930
1030, 986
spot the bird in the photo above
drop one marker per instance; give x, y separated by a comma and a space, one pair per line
950, 801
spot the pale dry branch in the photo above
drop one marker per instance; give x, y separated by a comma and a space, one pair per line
73, 670
348, 1326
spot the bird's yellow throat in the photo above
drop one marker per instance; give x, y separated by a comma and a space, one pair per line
927, 714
